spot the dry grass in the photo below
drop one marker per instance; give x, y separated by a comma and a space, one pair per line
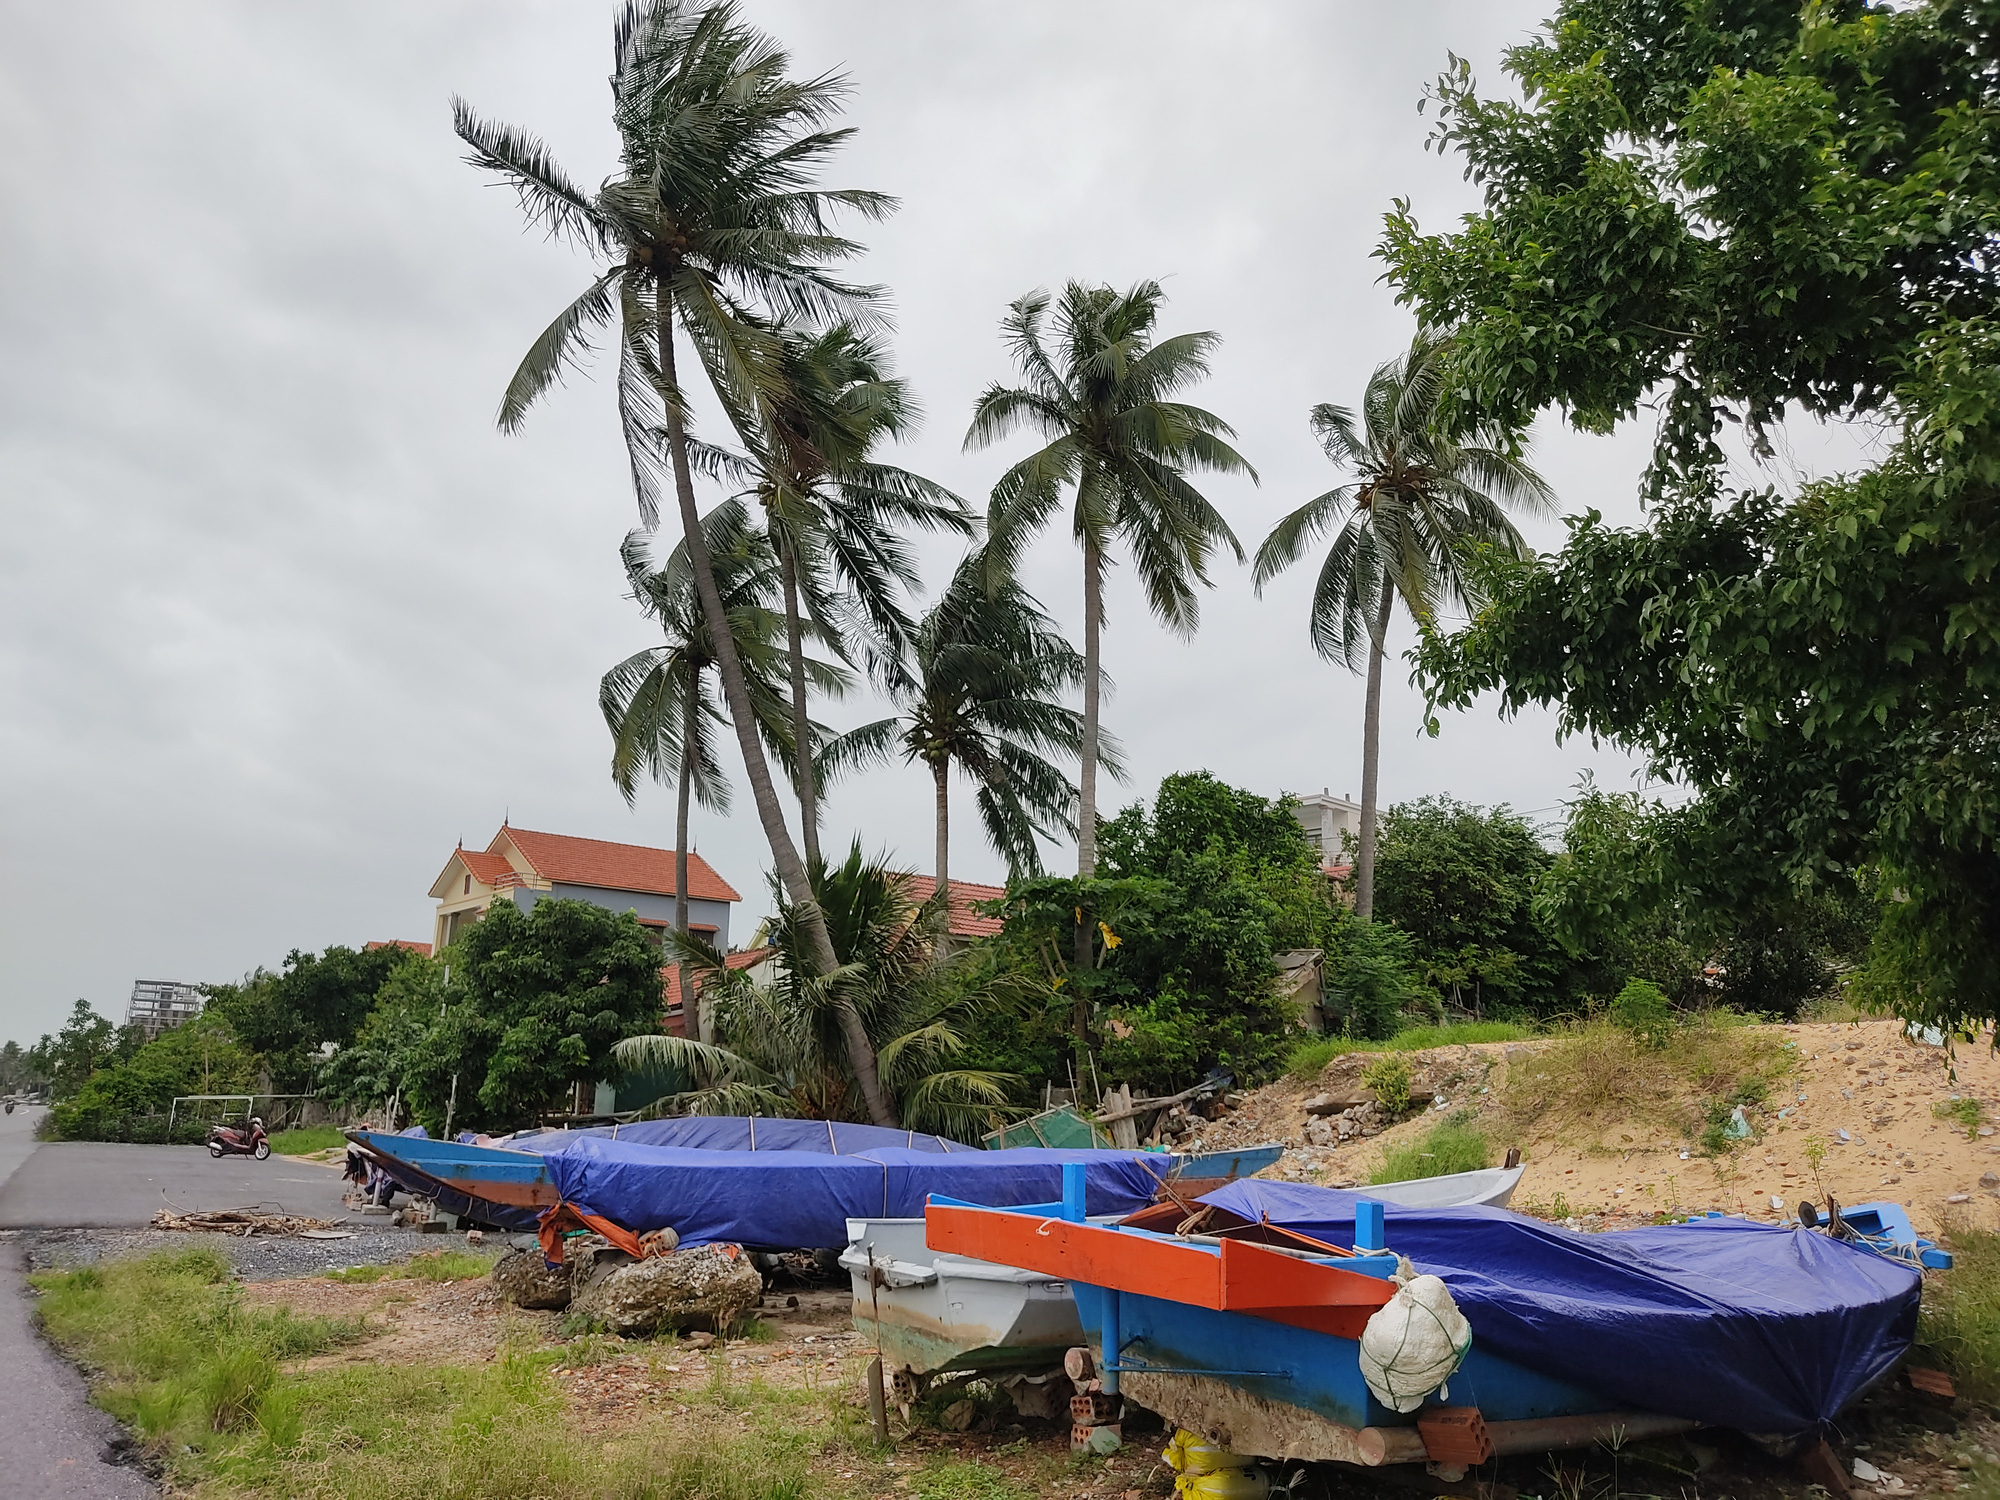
1596, 1073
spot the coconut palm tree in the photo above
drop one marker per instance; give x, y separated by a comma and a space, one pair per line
1102, 401
835, 515
660, 704
780, 1050
712, 216
1423, 493
981, 691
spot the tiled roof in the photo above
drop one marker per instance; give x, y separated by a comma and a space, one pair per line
615, 867
964, 922
423, 948
486, 868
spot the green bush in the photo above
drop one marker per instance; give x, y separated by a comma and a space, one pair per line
1450, 1146
1642, 1008
1388, 1079
1964, 1113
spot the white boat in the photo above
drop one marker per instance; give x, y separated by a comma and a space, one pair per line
941, 1312
1490, 1187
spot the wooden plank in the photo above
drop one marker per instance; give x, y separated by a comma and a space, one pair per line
1079, 1252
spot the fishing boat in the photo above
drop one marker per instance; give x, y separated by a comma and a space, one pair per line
1489, 1187
1249, 1331
934, 1312
506, 1182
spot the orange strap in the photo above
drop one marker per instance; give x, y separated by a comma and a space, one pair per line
566, 1216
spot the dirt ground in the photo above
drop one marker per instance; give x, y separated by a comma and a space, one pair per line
1921, 1445
1867, 1080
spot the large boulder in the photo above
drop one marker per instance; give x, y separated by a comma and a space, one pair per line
706, 1289
526, 1280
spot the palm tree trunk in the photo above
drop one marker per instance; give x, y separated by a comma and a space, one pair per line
802, 751
1371, 756
757, 770
1086, 778
690, 719
690, 1001
941, 779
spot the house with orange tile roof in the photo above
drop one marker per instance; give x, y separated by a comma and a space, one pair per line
523, 866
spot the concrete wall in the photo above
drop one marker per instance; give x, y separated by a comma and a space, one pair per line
642, 904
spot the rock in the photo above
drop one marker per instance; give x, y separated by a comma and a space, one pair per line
525, 1280
1335, 1102
1958, 1198
1989, 1179
1319, 1133
705, 1289
701, 1339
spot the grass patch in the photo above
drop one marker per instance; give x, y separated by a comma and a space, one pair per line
1308, 1058
1964, 1113
966, 1481
432, 1265
1597, 1073
1449, 1146
175, 1352
1961, 1313
305, 1142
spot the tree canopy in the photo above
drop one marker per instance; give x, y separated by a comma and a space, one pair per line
1738, 210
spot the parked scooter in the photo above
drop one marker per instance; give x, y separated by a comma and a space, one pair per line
223, 1141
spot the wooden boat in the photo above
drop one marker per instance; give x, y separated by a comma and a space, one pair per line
1250, 1333
1491, 1186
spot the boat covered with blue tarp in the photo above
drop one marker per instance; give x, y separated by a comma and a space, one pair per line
1767, 1329
744, 1133
785, 1200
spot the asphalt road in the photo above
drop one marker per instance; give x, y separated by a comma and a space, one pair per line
92, 1185
53, 1444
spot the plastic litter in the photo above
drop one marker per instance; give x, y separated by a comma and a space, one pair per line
1738, 1128
1414, 1343
1202, 1468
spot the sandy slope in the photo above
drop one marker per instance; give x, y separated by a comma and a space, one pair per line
1866, 1079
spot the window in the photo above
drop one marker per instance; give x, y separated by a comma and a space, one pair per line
468, 885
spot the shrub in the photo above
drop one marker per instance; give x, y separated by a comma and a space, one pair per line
1643, 1010
1961, 1313
1450, 1146
1964, 1113
1388, 1079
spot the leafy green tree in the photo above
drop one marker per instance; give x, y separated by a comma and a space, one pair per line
779, 1049
1744, 210
659, 704
1371, 980
1197, 896
1610, 896
315, 998
67, 1059
713, 212
1461, 881
127, 1098
1114, 436
411, 1047
17, 1074
834, 513
980, 691
548, 993
1426, 488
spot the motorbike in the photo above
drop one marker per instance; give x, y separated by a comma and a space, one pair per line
250, 1141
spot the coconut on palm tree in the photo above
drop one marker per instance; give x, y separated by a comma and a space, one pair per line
982, 692
779, 1049
836, 515
1424, 492
712, 229
660, 704
1118, 443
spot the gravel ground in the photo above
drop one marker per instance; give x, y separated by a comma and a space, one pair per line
256, 1258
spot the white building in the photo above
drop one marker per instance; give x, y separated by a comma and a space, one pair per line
1325, 819
159, 1005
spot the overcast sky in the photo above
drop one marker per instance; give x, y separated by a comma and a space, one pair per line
283, 618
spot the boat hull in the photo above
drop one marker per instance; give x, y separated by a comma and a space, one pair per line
936, 1313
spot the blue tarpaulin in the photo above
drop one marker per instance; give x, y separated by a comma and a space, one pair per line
782, 1200
743, 1133
1722, 1321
